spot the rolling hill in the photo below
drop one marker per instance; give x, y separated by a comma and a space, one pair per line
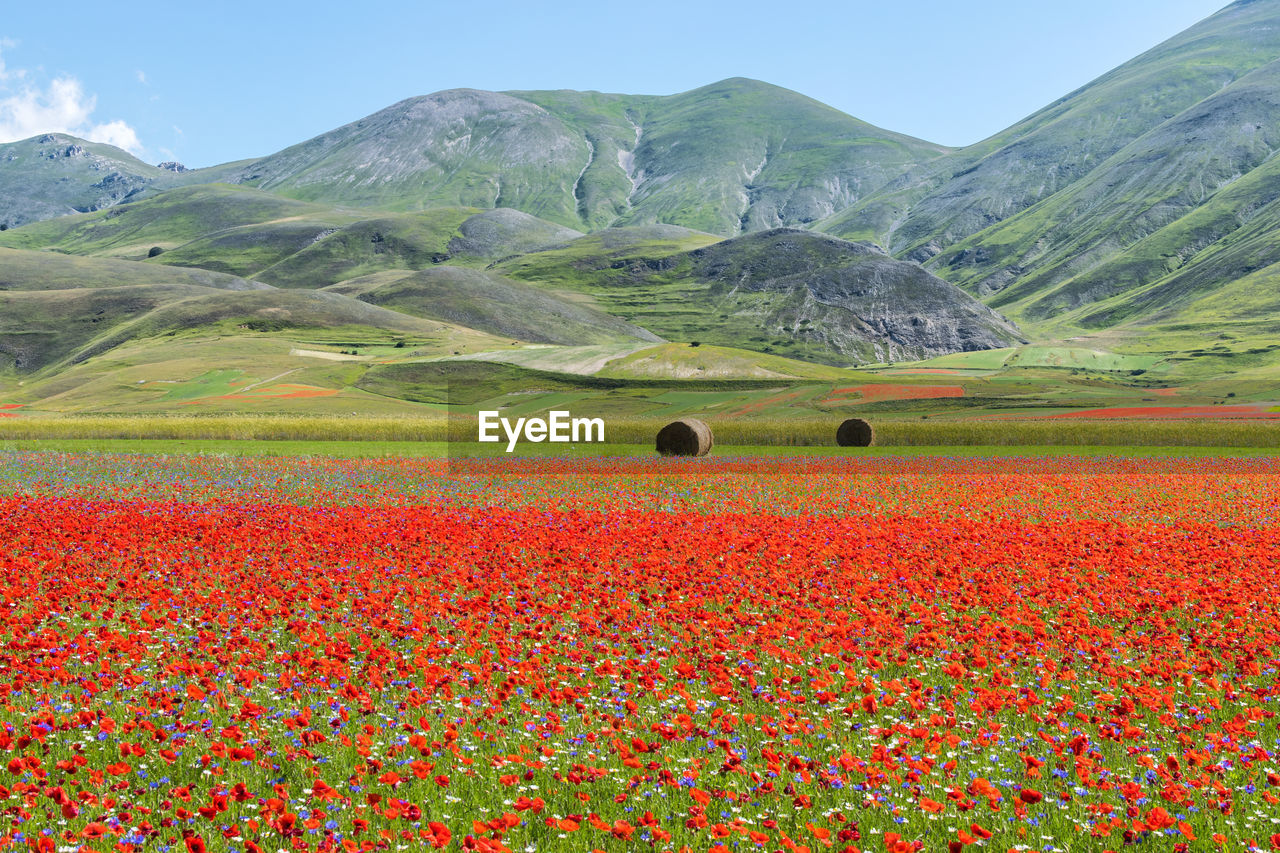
489, 303
57, 311
247, 232
791, 292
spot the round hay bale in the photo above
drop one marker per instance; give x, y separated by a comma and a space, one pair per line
855, 432
686, 437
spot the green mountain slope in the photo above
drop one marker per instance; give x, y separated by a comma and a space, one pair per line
1068, 141
21, 270
168, 221
460, 148
738, 155
1148, 185
735, 156
1231, 235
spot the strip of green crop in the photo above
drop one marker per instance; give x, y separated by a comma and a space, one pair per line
455, 450
461, 432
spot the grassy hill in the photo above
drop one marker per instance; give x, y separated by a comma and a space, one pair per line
170, 220
786, 292
288, 243
26, 270
1068, 244
481, 300
798, 294
57, 311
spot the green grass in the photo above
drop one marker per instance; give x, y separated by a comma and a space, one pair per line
992, 359
168, 220
205, 385
458, 450
1078, 357
40, 271
770, 432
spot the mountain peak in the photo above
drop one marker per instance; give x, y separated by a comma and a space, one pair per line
588, 160
55, 174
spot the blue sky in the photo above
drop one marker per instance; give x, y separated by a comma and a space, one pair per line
210, 83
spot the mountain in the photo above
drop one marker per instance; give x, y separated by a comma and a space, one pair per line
1141, 211
1171, 187
55, 175
1070, 138
789, 291
732, 157
1108, 190
735, 156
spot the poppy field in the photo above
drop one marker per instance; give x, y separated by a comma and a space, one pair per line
867, 653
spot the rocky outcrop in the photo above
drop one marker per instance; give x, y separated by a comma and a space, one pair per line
851, 296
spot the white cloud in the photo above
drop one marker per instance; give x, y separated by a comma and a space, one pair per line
63, 106
116, 133
142, 77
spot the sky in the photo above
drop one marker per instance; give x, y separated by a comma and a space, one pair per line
210, 83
